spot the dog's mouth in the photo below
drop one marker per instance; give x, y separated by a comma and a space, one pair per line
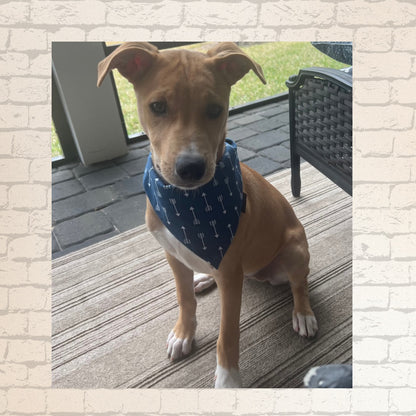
187, 185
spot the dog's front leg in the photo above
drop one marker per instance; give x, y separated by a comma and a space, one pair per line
179, 342
227, 373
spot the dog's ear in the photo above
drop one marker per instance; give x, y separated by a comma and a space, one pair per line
230, 60
132, 59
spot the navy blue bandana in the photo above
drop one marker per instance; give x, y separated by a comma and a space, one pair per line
205, 220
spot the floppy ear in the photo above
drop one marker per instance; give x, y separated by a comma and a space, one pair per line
233, 62
132, 59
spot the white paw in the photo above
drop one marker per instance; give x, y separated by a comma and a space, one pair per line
227, 378
202, 282
178, 347
305, 325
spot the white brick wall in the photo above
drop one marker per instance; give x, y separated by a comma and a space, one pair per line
70, 13
383, 208
170, 404
370, 350
63, 401
338, 402
374, 65
28, 196
373, 39
384, 194
14, 13
262, 401
28, 39
402, 38
403, 399
372, 92
124, 13
198, 14
292, 14
370, 401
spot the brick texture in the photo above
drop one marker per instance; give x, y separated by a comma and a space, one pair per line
297, 13
384, 203
124, 13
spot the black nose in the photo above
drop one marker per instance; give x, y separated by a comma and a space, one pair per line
190, 167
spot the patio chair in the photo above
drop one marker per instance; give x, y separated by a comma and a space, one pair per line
320, 117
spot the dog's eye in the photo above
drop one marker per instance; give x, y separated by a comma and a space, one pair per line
214, 111
158, 107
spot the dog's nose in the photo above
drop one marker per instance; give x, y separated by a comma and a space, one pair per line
190, 167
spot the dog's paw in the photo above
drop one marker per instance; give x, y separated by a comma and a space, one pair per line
227, 378
178, 347
202, 282
305, 325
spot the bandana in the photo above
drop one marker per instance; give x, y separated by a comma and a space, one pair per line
205, 219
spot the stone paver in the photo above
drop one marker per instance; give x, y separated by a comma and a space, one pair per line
61, 176
80, 204
129, 187
274, 110
82, 228
135, 167
86, 243
133, 154
241, 133
92, 203
128, 213
55, 246
231, 125
245, 154
282, 135
62, 190
82, 170
269, 123
103, 177
251, 118
277, 153
262, 165
260, 141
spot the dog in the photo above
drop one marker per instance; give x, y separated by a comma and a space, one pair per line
211, 214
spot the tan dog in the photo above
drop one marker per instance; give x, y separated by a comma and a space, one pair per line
182, 99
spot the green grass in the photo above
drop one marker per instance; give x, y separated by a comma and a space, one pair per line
278, 60
56, 146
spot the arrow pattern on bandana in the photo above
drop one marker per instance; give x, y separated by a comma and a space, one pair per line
206, 219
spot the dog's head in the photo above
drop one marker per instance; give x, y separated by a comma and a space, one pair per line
182, 99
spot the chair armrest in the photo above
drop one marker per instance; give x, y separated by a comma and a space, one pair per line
340, 78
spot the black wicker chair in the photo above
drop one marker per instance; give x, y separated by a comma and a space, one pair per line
320, 115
